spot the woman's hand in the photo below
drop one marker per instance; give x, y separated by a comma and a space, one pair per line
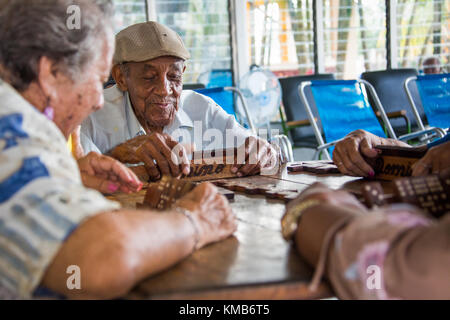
436, 160
211, 212
107, 175
349, 153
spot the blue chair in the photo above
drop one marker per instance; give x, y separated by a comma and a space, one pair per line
220, 78
389, 87
434, 91
223, 96
343, 107
220, 95
296, 123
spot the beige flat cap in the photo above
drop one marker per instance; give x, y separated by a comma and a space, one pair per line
147, 41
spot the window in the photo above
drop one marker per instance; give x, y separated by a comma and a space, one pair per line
128, 12
204, 26
354, 36
423, 31
281, 35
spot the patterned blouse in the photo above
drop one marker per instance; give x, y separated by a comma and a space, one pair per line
42, 199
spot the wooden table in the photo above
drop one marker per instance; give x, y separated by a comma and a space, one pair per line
255, 263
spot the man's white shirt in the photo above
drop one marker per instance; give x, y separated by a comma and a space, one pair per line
199, 121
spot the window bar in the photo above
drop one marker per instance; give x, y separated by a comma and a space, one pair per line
150, 10
391, 34
319, 51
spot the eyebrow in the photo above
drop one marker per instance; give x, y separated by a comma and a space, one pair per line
174, 66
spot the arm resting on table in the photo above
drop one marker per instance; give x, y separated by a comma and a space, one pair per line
410, 249
314, 225
115, 250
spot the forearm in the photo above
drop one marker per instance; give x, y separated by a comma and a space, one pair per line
392, 252
116, 250
313, 227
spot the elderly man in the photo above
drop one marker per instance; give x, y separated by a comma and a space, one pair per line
431, 65
147, 114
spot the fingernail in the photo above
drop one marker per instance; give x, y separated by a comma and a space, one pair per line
239, 174
234, 169
371, 174
112, 187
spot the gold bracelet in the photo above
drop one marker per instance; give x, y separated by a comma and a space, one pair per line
188, 215
290, 220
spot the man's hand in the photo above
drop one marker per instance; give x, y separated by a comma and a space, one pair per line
436, 160
259, 156
348, 153
161, 154
107, 175
212, 213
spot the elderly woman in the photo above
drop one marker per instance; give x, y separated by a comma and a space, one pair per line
52, 79
390, 252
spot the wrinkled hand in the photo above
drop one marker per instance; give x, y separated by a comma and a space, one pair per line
212, 213
161, 154
319, 191
348, 153
260, 157
436, 160
106, 174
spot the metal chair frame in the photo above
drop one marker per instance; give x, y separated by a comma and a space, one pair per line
322, 145
439, 131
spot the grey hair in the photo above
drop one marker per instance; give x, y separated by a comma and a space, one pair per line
32, 29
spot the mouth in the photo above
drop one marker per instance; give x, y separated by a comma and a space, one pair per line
161, 105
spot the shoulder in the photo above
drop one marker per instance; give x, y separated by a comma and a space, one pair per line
19, 121
194, 101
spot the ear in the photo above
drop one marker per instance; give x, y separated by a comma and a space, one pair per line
119, 77
48, 78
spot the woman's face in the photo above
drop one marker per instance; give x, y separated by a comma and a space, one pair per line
75, 100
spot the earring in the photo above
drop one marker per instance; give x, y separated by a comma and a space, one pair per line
49, 112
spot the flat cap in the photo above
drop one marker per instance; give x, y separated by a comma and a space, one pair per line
146, 41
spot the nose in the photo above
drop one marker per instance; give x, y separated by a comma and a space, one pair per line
163, 87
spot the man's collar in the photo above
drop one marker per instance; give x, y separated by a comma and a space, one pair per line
133, 124
182, 119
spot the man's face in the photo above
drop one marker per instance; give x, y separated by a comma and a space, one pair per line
154, 87
431, 66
